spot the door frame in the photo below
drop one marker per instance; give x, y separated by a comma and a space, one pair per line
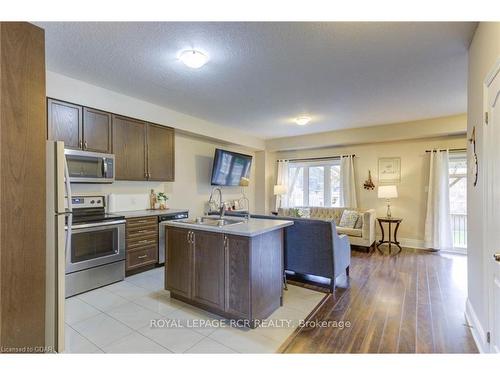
488, 263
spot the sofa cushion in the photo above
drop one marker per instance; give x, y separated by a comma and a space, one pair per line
349, 218
353, 232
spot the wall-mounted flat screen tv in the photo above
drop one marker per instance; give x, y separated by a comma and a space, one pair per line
231, 168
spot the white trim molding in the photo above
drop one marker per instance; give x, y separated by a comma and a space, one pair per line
477, 330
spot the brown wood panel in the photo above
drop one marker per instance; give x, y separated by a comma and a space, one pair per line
238, 276
141, 257
142, 221
129, 147
409, 303
161, 153
96, 130
22, 186
65, 123
208, 269
266, 273
179, 265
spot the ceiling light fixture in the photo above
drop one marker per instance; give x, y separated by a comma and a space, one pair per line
302, 120
193, 59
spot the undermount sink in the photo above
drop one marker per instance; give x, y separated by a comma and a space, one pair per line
214, 222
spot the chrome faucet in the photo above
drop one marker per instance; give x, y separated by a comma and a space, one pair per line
222, 208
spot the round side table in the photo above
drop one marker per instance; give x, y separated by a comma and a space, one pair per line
390, 221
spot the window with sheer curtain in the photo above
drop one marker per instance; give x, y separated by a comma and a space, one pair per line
314, 183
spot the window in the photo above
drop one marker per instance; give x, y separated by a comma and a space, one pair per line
314, 183
458, 198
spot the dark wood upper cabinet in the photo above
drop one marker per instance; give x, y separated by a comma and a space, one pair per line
129, 147
96, 130
179, 275
143, 151
161, 153
208, 264
65, 123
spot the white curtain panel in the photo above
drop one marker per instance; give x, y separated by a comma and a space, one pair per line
438, 233
347, 184
282, 179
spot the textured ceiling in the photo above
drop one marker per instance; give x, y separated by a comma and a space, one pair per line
261, 75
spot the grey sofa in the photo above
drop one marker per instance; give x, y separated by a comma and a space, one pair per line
313, 247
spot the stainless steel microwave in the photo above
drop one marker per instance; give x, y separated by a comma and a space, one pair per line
90, 167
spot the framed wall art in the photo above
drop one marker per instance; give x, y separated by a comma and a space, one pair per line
389, 170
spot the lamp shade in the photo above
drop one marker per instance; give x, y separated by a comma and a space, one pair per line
280, 189
388, 191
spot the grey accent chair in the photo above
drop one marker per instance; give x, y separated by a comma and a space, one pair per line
313, 247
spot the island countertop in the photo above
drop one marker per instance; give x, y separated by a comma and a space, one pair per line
247, 228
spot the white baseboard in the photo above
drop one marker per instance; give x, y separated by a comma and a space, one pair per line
476, 328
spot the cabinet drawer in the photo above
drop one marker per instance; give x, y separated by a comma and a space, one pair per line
151, 230
141, 242
141, 221
142, 257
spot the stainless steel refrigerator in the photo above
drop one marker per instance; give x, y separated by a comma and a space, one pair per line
59, 211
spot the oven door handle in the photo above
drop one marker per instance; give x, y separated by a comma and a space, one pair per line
100, 224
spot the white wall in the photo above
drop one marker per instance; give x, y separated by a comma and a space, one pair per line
191, 189
427, 128
411, 203
483, 53
193, 153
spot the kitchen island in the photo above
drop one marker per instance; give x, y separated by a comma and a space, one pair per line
233, 268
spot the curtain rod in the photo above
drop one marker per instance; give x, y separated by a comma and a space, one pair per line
450, 149
323, 158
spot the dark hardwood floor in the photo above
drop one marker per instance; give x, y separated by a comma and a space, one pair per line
410, 303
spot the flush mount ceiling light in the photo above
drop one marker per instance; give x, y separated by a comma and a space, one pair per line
193, 59
302, 120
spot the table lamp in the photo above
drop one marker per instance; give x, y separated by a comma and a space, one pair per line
387, 192
279, 190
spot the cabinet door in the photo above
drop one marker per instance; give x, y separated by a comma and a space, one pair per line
237, 275
208, 262
96, 130
179, 262
161, 153
65, 123
129, 147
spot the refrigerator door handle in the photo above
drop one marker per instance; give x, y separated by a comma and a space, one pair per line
69, 233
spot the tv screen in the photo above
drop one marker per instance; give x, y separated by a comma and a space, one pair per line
231, 168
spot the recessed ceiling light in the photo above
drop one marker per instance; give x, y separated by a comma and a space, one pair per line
302, 120
193, 59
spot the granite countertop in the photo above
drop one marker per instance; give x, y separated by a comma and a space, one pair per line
250, 228
142, 213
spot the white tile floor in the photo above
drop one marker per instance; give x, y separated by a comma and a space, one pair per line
117, 319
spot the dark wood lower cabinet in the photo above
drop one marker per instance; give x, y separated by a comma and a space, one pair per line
208, 268
236, 277
142, 243
179, 262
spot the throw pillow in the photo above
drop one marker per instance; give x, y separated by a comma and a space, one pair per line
359, 223
349, 218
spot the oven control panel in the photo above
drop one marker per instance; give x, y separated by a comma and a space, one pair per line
87, 201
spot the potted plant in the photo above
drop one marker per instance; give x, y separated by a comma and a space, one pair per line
162, 200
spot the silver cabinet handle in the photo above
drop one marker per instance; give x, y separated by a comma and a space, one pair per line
142, 256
